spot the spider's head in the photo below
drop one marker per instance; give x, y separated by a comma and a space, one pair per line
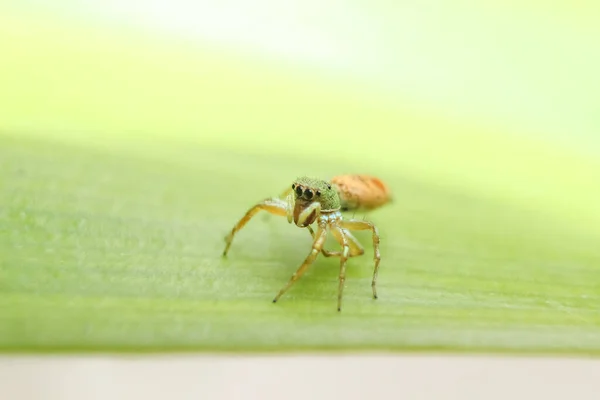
311, 197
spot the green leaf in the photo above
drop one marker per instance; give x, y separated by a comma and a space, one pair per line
104, 252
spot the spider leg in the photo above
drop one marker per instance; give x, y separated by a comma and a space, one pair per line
342, 238
356, 248
273, 205
358, 225
314, 252
286, 195
326, 253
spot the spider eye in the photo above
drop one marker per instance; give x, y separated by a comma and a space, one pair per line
328, 186
308, 194
293, 186
318, 192
299, 190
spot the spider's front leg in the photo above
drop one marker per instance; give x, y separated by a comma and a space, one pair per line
350, 248
287, 195
316, 249
273, 205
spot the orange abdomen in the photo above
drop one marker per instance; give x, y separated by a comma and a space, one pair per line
361, 192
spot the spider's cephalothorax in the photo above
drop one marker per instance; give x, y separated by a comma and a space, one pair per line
312, 197
313, 200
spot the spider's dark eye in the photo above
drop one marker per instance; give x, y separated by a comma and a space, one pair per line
299, 190
308, 194
318, 192
328, 186
293, 186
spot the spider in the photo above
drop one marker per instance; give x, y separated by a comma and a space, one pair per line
314, 200
358, 192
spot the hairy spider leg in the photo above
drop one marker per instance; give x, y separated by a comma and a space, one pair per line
340, 235
356, 248
351, 248
357, 225
314, 252
272, 205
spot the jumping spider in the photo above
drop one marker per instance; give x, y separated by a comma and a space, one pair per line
315, 200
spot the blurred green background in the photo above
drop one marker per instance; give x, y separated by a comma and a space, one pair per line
134, 134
